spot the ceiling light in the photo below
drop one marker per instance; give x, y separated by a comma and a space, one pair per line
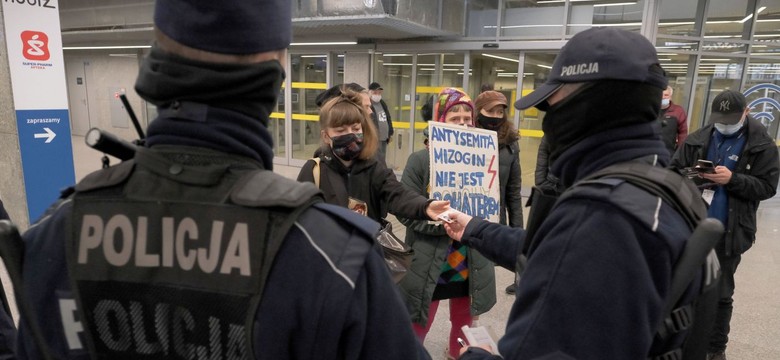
325, 43
501, 57
106, 47
615, 4
544, 66
746, 18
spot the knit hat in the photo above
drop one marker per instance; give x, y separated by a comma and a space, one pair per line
448, 98
488, 100
238, 27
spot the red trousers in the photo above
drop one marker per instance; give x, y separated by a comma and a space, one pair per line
460, 314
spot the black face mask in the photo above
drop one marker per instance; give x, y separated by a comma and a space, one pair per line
490, 123
596, 107
347, 147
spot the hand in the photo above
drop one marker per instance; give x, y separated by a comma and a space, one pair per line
456, 228
389, 140
722, 175
437, 207
485, 347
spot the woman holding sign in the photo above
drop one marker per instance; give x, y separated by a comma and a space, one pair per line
443, 269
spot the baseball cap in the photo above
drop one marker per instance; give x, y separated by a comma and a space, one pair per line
375, 86
489, 99
238, 27
727, 107
600, 53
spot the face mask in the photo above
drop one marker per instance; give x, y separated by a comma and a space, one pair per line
347, 147
490, 123
376, 98
665, 102
729, 129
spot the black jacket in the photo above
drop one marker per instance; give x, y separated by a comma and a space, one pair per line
510, 177
754, 179
543, 177
367, 180
343, 304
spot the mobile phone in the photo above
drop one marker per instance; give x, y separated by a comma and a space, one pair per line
462, 343
704, 166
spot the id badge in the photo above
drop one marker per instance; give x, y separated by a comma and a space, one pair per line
707, 195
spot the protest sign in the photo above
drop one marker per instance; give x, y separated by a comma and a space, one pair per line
464, 169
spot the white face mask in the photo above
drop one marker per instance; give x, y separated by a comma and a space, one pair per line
376, 98
730, 129
664, 103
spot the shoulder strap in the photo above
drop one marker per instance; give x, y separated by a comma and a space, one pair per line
315, 171
675, 190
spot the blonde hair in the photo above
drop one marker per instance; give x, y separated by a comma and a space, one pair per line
347, 109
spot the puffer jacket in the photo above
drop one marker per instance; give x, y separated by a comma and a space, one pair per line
755, 179
430, 244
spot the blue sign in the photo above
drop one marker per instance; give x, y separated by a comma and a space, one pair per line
47, 156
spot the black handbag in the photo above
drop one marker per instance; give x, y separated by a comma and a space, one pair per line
398, 255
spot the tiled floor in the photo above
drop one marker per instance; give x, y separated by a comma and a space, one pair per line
755, 333
755, 324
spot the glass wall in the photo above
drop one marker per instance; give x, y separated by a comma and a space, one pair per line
536, 69
407, 88
705, 46
533, 19
482, 18
308, 77
626, 15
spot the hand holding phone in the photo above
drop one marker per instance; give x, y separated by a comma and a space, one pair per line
704, 166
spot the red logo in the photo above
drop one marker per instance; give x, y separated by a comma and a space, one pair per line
35, 45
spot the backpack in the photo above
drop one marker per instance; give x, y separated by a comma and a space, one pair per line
698, 253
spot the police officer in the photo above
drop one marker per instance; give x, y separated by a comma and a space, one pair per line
595, 285
195, 249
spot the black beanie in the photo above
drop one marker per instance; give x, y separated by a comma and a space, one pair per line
238, 27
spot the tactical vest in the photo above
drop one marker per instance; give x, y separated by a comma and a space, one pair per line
169, 261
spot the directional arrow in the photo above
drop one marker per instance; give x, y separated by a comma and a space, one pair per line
49, 135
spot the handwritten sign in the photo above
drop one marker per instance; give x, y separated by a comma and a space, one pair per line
464, 169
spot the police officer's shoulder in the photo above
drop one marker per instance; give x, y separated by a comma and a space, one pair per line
620, 193
344, 238
104, 178
263, 188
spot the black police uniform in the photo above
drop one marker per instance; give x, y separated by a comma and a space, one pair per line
164, 258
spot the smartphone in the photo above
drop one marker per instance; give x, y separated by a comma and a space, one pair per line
704, 166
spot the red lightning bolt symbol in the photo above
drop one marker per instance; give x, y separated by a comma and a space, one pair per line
491, 171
